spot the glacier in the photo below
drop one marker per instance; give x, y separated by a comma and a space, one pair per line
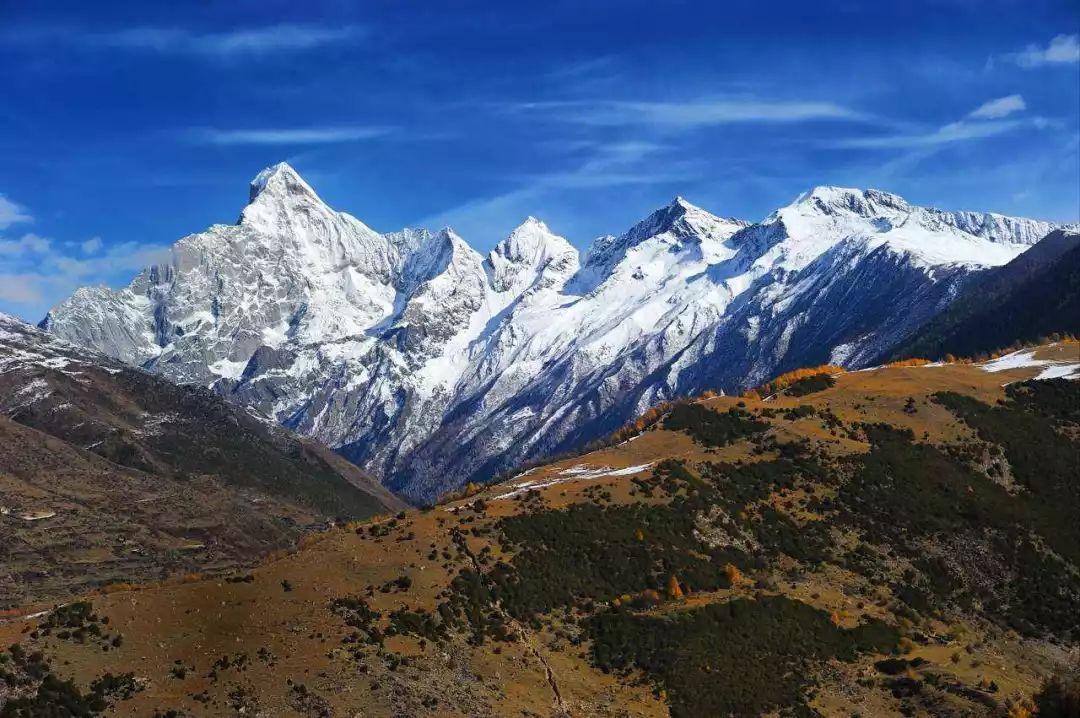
432, 365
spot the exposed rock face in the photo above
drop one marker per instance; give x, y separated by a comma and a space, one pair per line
432, 365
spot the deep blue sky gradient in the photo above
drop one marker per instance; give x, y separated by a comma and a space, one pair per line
125, 125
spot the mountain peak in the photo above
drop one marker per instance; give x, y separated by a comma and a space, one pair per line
828, 199
279, 180
531, 227
279, 196
531, 244
878, 211
680, 203
531, 237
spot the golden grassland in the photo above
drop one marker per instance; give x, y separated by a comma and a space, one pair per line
176, 630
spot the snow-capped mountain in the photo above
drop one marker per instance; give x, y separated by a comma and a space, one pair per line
431, 365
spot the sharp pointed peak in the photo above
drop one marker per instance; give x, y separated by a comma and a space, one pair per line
531, 223
279, 179
679, 210
448, 235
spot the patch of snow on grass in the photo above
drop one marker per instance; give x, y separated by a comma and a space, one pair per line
581, 471
1054, 369
1060, 371
1016, 360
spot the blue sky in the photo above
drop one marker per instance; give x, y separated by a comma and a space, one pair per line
126, 125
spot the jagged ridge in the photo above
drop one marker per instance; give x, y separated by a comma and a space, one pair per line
432, 365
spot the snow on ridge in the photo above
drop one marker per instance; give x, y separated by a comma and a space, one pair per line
392, 347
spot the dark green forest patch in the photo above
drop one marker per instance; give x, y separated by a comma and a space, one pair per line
904, 494
1044, 461
739, 658
713, 428
589, 552
592, 552
810, 384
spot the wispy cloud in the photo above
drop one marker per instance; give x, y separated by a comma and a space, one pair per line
618, 163
182, 41
582, 68
1062, 50
691, 114
949, 134
11, 213
285, 136
996, 109
986, 120
608, 165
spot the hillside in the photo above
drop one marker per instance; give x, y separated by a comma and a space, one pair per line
432, 365
109, 474
1033, 296
898, 541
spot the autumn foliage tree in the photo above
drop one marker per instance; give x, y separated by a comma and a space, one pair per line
674, 590
734, 574
914, 361
788, 378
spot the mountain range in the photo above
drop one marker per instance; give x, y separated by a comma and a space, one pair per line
432, 365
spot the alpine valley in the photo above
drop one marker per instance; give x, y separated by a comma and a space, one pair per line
431, 365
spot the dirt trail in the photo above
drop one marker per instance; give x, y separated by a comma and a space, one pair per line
524, 634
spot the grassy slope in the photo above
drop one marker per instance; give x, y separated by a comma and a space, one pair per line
803, 551
145, 478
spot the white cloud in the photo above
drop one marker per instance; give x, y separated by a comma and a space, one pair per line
996, 109
25, 246
11, 213
1062, 50
693, 114
218, 45
124, 257
36, 273
286, 136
